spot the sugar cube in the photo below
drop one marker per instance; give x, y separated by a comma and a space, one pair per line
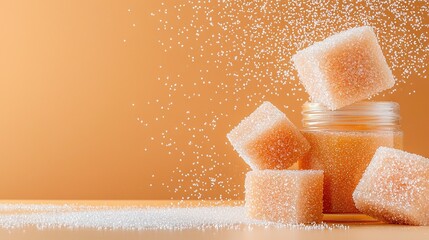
395, 188
344, 68
266, 139
285, 196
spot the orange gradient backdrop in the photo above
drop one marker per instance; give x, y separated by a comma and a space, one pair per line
67, 84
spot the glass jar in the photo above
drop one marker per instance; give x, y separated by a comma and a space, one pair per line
343, 143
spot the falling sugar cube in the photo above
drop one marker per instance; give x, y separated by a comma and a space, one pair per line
268, 140
395, 188
344, 68
285, 196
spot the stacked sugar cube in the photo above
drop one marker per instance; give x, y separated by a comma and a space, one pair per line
286, 196
343, 69
269, 143
268, 140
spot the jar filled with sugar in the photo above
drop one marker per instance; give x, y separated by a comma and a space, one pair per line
343, 143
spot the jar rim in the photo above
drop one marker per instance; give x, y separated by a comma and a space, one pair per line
363, 104
360, 116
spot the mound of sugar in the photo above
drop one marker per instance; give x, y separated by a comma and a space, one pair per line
344, 68
286, 196
268, 140
137, 218
395, 188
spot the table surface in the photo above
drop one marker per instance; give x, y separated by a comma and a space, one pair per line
360, 227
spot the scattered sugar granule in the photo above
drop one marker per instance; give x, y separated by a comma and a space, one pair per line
232, 56
395, 188
266, 139
137, 218
286, 196
344, 68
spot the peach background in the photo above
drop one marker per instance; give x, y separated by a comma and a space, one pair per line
67, 82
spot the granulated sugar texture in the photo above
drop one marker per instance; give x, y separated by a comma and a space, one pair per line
132, 218
395, 188
237, 54
344, 68
268, 140
286, 196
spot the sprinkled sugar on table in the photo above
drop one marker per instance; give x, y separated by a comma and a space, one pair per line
176, 220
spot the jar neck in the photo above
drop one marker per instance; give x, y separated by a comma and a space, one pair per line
361, 116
